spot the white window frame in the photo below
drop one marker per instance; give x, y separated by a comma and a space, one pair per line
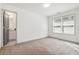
62, 28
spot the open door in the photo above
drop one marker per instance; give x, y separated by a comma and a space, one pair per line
5, 28
9, 28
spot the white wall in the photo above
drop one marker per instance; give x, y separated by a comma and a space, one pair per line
29, 25
0, 26
12, 20
74, 38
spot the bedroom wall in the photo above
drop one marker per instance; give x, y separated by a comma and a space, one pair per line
0, 26
30, 26
75, 37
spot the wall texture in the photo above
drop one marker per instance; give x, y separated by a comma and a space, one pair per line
30, 25
74, 38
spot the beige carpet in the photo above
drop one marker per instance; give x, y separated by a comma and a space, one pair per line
46, 46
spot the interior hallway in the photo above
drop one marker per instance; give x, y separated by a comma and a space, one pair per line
45, 46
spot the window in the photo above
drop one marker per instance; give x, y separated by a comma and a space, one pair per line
68, 24
57, 25
64, 24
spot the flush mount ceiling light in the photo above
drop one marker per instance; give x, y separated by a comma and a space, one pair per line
46, 5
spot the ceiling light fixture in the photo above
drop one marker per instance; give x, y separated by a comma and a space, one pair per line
46, 5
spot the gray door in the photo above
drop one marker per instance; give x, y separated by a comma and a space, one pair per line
5, 28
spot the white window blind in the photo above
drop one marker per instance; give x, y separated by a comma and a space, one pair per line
64, 24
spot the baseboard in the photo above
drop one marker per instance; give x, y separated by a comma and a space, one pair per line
31, 40
64, 40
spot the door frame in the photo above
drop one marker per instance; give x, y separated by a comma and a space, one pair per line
2, 10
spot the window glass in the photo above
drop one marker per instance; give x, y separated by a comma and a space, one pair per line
57, 25
64, 24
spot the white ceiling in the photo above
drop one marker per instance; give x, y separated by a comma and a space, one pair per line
54, 8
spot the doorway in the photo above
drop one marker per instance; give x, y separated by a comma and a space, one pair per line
9, 28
